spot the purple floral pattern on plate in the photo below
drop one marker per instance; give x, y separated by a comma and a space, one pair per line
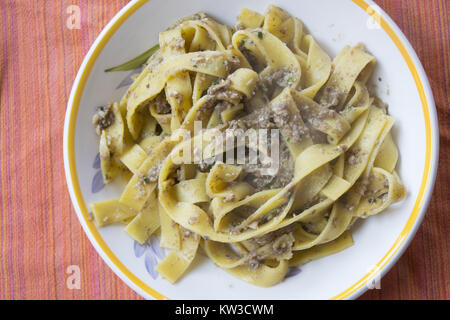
96, 164
152, 253
97, 182
293, 271
150, 264
129, 80
139, 249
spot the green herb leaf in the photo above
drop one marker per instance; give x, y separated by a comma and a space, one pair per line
214, 83
135, 62
260, 34
242, 42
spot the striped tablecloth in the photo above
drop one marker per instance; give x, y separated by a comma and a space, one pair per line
40, 235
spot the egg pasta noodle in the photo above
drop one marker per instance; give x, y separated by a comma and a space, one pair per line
336, 159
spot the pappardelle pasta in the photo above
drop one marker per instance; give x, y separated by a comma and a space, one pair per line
250, 143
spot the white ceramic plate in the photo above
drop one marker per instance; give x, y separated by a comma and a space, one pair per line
379, 241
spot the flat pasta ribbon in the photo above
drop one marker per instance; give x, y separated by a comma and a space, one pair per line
212, 94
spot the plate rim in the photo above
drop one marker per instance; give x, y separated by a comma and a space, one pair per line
382, 267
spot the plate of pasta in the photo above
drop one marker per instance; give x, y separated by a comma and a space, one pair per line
251, 149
